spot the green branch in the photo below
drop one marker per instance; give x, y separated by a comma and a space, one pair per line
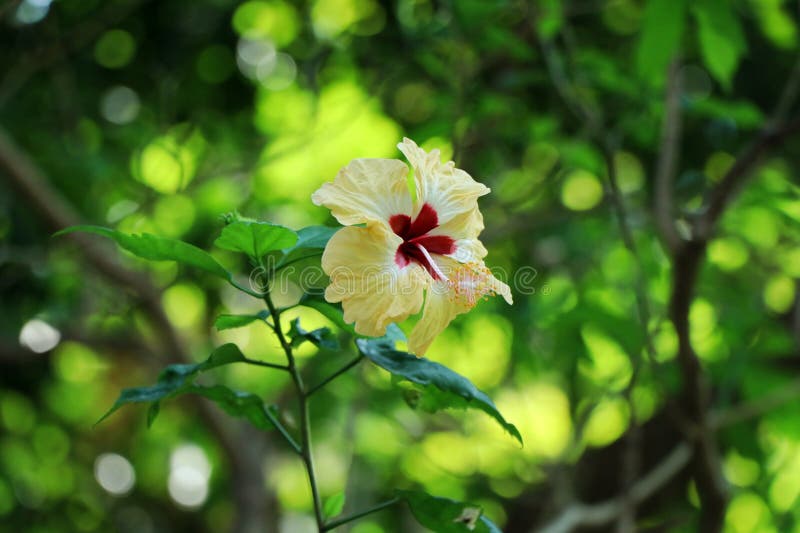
340, 522
282, 430
335, 375
302, 398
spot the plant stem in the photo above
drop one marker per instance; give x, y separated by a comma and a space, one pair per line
282, 430
302, 398
335, 375
336, 523
245, 289
266, 364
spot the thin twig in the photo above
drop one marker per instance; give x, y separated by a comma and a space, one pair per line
266, 364
598, 514
347, 519
335, 375
282, 430
727, 189
756, 407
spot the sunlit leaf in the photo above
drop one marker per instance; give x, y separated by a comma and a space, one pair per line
447, 516
722, 41
441, 387
156, 248
332, 507
322, 337
255, 239
662, 30
237, 321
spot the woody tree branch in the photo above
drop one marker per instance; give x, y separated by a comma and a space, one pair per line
687, 261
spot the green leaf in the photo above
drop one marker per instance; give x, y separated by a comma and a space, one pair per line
332, 507
314, 237
332, 312
662, 30
722, 41
175, 379
745, 114
447, 516
237, 321
236, 403
442, 387
310, 242
156, 248
322, 337
256, 239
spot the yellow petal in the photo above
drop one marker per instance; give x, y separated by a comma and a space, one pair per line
373, 289
465, 226
469, 251
465, 285
449, 190
367, 190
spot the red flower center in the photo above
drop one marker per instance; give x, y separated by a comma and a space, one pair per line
417, 245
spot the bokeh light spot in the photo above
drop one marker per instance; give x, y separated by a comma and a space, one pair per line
17, 413
169, 162
581, 191
779, 294
115, 49
608, 364
728, 253
184, 304
745, 513
120, 105
331, 18
630, 174
274, 20
281, 74
114, 473
77, 363
39, 336
174, 215
740, 470
32, 11
607, 423
189, 474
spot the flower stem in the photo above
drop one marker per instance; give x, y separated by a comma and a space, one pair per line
302, 398
336, 523
335, 375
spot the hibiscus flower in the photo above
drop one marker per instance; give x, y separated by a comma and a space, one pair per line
396, 253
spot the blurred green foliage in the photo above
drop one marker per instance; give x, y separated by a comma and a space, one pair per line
160, 116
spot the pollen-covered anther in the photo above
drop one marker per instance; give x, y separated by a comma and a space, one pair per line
472, 281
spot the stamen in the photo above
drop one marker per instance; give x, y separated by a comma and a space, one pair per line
432, 263
472, 282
